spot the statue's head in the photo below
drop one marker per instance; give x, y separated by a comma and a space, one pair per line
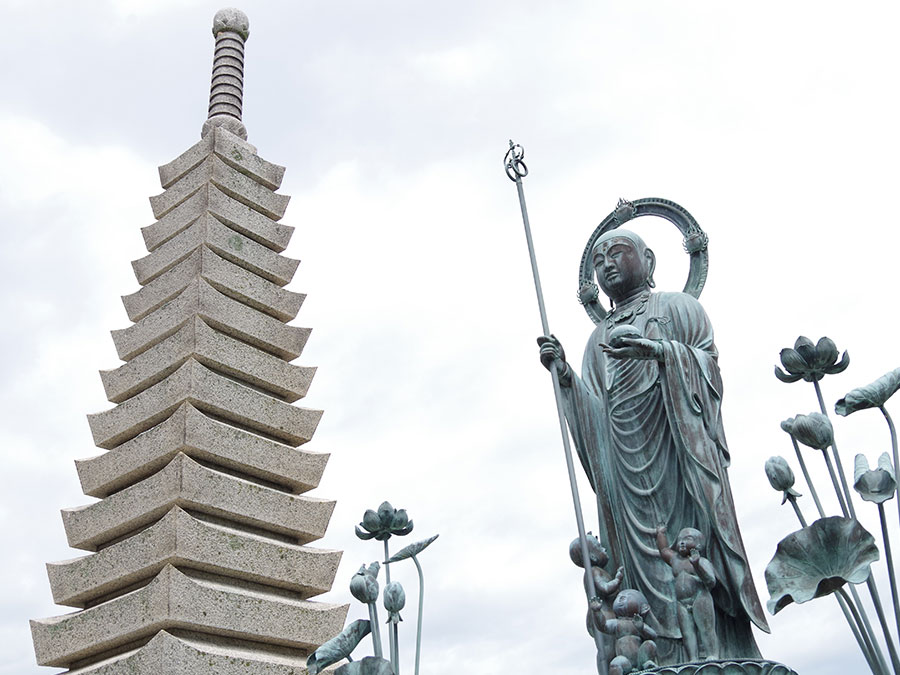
630, 603
596, 552
688, 540
622, 263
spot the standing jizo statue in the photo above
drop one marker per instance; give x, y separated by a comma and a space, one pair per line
646, 419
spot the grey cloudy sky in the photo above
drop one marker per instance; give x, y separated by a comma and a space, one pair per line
774, 123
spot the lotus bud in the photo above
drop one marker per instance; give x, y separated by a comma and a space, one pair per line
779, 473
394, 601
813, 430
364, 587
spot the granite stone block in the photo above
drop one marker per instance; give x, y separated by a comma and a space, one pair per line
218, 310
181, 540
205, 439
174, 600
185, 483
215, 350
228, 243
212, 393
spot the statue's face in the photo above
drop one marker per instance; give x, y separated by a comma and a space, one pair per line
628, 603
620, 268
688, 540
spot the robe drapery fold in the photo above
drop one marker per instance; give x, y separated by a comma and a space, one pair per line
650, 438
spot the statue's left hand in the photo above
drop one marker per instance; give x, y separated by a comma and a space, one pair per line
635, 348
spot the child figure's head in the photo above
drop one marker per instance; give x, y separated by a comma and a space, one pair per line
596, 552
629, 603
688, 540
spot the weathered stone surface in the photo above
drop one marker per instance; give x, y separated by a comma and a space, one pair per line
236, 152
174, 600
198, 654
233, 183
205, 439
219, 311
228, 243
185, 483
212, 393
232, 280
201, 565
184, 541
215, 350
233, 213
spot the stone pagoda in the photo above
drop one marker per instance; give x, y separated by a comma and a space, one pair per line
199, 561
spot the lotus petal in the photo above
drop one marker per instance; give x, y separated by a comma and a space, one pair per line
784, 377
874, 485
370, 665
818, 560
413, 549
793, 362
779, 473
404, 531
873, 395
399, 520
840, 366
371, 521
788, 425
813, 430
385, 513
826, 353
362, 534
806, 349
338, 647
374, 569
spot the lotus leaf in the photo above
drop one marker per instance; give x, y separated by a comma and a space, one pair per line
818, 560
370, 665
411, 550
874, 485
873, 395
338, 647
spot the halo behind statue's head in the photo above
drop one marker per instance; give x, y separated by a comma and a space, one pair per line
695, 241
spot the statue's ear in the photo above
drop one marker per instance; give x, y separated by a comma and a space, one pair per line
645, 609
650, 258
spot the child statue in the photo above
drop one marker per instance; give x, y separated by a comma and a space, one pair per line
605, 586
635, 646
694, 577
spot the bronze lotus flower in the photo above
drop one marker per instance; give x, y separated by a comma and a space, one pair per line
364, 584
813, 430
384, 523
818, 560
871, 396
874, 485
811, 362
394, 601
780, 476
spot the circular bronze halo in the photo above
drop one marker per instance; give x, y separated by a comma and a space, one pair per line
695, 244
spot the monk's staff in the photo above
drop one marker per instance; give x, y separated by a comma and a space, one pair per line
517, 170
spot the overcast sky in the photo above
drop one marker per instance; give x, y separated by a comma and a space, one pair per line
773, 123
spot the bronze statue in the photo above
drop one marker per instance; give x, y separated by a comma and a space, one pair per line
646, 420
694, 577
635, 647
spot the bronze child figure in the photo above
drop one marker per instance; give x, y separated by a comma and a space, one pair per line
694, 578
635, 647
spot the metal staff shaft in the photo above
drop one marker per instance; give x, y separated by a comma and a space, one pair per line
516, 170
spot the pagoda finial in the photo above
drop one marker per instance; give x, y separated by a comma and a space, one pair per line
231, 28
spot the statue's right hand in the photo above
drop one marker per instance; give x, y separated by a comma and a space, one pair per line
552, 352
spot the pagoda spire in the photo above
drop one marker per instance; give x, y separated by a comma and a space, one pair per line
231, 28
198, 548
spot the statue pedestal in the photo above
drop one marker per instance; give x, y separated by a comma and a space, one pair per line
724, 667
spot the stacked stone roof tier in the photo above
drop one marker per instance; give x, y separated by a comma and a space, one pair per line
199, 556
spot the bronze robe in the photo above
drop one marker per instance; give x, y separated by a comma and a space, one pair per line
650, 437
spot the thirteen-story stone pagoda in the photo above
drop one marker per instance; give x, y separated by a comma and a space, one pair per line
199, 561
